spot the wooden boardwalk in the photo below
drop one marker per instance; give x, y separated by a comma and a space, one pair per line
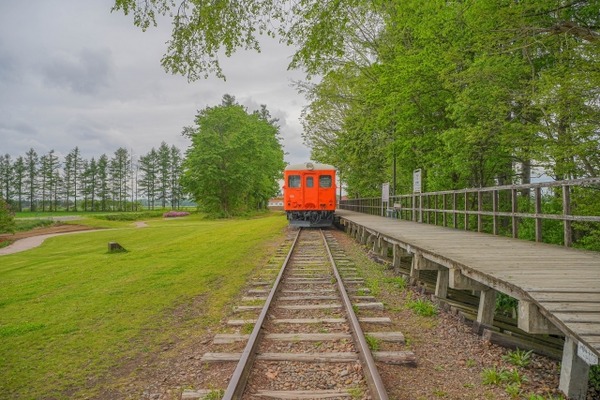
558, 288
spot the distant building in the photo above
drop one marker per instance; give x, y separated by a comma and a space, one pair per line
276, 203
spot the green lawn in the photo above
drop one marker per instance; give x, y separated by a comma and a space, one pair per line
69, 311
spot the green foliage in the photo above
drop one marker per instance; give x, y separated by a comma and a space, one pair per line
397, 282
7, 218
235, 159
518, 358
495, 376
215, 394
513, 390
422, 307
130, 216
506, 305
372, 342
595, 377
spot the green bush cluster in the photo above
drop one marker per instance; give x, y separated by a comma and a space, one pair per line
130, 216
7, 217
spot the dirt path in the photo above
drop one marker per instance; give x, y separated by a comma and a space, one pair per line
35, 237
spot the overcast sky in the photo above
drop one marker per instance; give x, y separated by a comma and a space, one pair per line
74, 74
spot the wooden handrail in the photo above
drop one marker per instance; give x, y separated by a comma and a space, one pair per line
418, 207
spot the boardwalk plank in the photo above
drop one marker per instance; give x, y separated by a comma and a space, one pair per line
564, 282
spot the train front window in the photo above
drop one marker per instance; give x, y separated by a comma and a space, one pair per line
294, 181
310, 181
325, 181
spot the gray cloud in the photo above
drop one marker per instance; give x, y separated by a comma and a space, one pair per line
85, 73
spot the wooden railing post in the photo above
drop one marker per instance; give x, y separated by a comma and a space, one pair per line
495, 211
444, 217
568, 238
466, 215
515, 208
538, 211
479, 210
454, 210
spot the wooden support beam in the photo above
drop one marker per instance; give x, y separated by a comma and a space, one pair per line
531, 320
427, 265
414, 268
441, 285
487, 306
383, 247
459, 281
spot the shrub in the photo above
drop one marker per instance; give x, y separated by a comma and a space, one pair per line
7, 217
423, 307
174, 214
519, 358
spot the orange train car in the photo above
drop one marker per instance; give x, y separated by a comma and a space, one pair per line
309, 194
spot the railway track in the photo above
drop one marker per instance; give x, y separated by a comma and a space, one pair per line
306, 341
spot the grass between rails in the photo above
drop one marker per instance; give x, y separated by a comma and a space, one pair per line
69, 311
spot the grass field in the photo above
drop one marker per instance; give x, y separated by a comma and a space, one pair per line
70, 311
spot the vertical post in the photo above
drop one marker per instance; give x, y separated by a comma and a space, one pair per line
428, 197
466, 206
441, 285
495, 211
454, 210
567, 213
420, 208
479, 210
444, 219
514, 208
538, 211
574, 372
487, 304
435, 206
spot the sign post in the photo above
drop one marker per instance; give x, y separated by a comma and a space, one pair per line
417, 188
385, 197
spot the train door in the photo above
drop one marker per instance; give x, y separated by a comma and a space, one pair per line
326, 190
311, 191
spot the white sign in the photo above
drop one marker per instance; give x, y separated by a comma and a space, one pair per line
385, 192
417, 181
586, 354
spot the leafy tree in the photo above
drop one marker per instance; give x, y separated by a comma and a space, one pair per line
120, 172
6, 177
31, 177
103, 189
50, 180
19, 180
72, 176
149, 180
164, 168
175, 177
235, 158
89, 184
7, 221
202, 30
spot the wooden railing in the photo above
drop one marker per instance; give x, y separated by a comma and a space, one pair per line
503, 210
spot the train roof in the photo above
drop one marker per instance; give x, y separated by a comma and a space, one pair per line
309, 166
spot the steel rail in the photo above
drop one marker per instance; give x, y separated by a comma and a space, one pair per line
237, 384
364, 352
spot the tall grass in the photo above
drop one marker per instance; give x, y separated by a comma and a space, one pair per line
69, 310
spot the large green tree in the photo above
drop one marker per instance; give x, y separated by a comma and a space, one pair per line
234, 160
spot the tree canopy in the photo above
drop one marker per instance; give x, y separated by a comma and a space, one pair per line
474, 92
235, 158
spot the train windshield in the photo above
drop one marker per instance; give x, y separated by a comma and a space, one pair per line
325, 181
310, 181
294, 181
